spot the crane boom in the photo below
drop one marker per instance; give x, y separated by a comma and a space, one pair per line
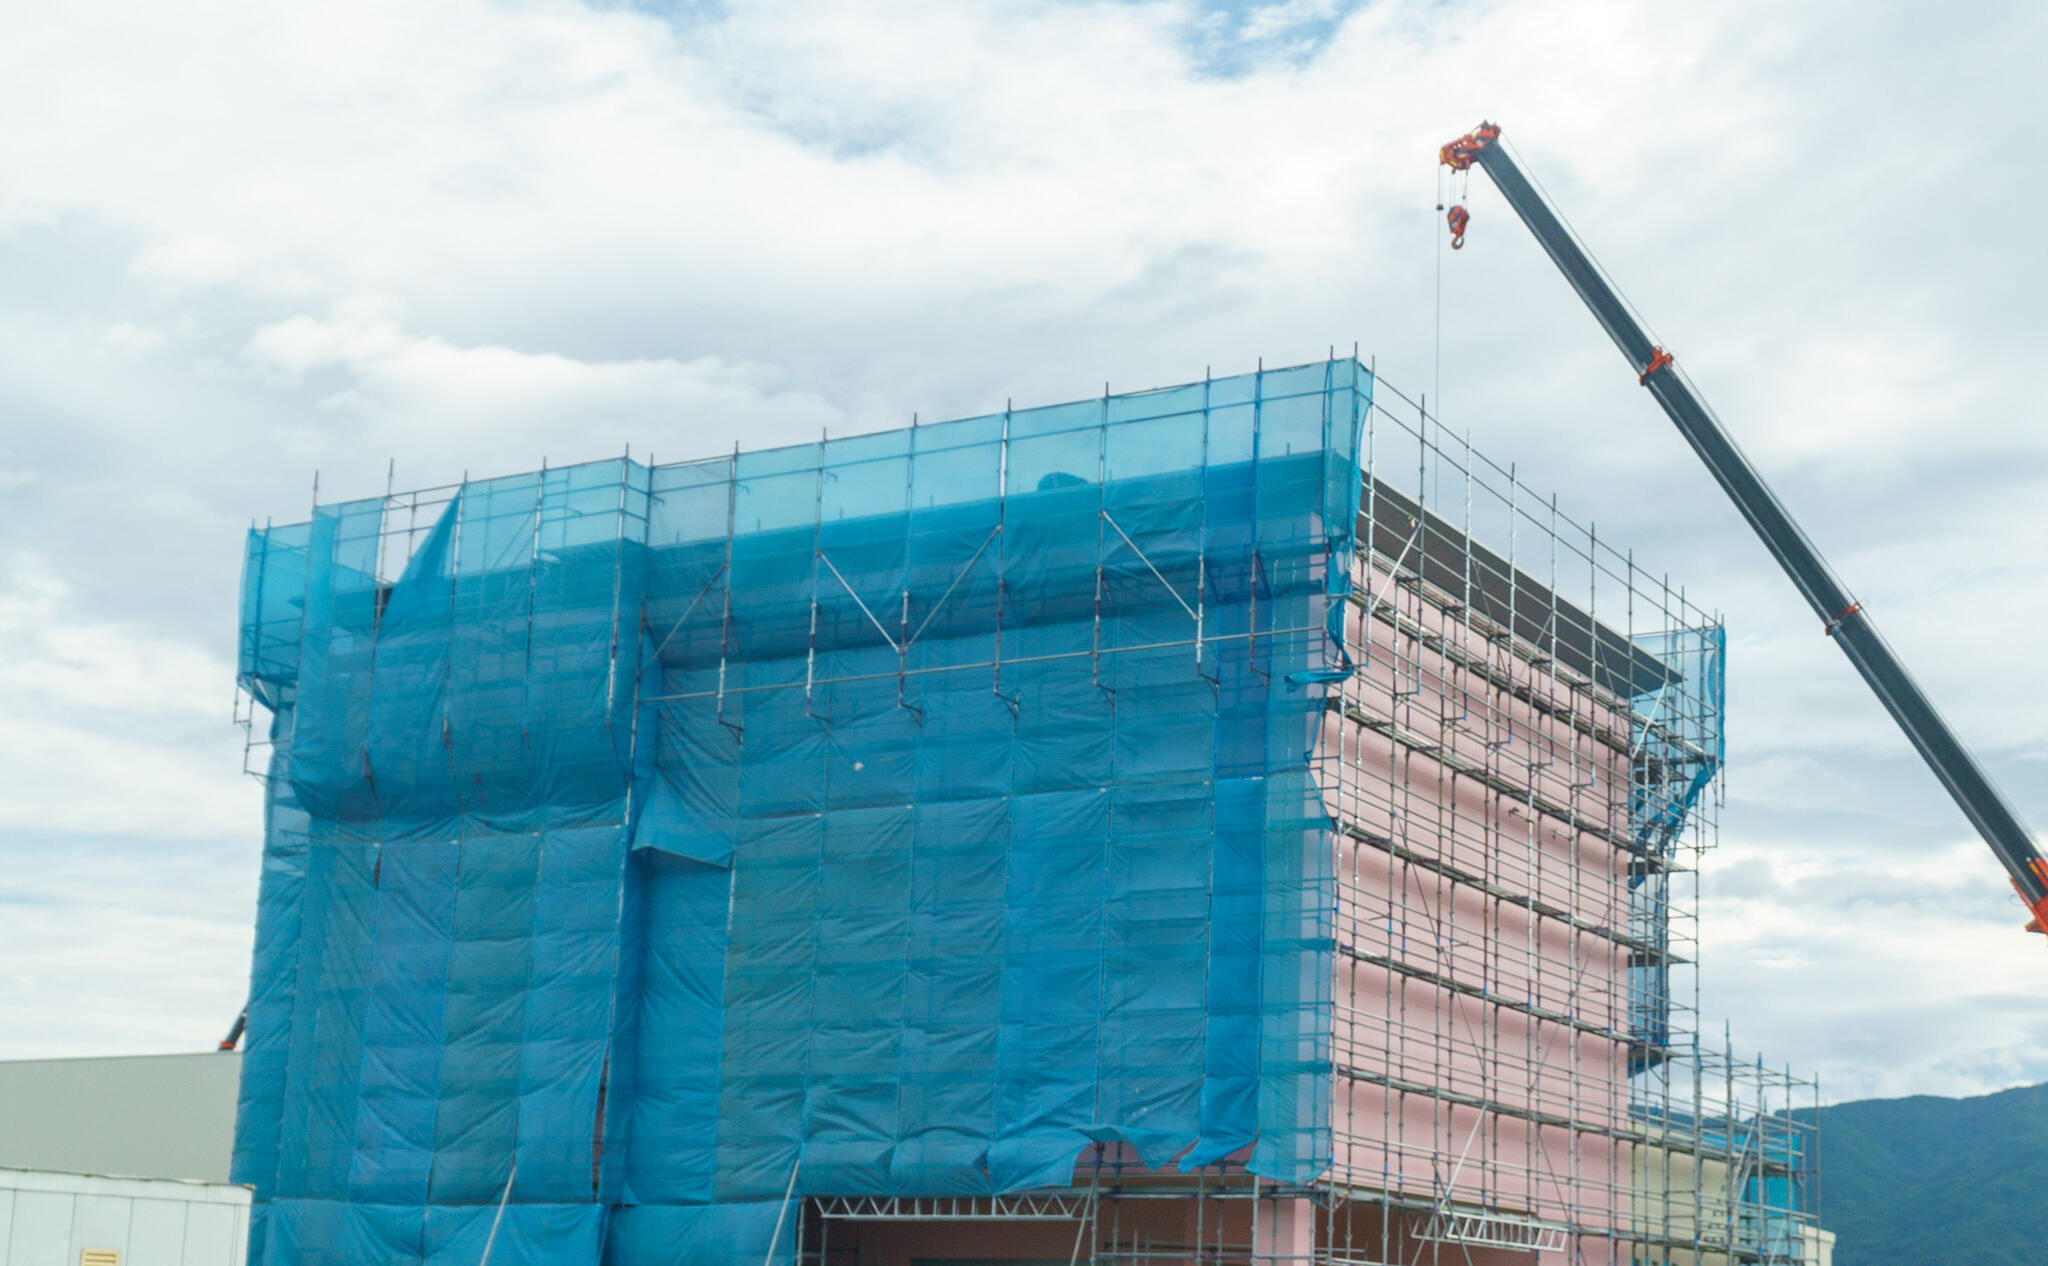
1842, 616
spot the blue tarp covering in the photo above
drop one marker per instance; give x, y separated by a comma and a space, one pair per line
1676, 735
900, 814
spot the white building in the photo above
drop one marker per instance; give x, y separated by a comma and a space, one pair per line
51, 1219
120, 1161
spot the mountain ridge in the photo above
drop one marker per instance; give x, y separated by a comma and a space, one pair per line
1932, 1181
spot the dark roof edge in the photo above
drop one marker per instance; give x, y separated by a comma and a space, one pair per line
1388, 523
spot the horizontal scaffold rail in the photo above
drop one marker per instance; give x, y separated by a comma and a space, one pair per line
1478, 773
1400, 623
1635, 1234
1683, 1145
983, 665
1377, 608
1721, 1249
1482, 994
1647, 951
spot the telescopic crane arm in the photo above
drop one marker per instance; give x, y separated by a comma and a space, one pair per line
1842, 617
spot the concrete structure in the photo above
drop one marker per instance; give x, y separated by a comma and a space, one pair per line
56, 1219
140, 1116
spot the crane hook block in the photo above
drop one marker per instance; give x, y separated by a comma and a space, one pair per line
1460, 154
1458, 218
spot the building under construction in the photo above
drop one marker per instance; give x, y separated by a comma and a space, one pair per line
1230, 824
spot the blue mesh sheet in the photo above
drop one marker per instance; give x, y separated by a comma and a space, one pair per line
1678, 747
899, 814
1677, 731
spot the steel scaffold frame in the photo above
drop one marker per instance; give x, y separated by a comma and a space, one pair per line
1535, 1025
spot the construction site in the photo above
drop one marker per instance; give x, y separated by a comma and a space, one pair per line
875, 674
1232, 823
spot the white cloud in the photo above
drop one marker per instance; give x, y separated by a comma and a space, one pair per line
249, 242
405, 380
1931, 988
109, 727
190, 259
113, 946
167, 786
52, 661
133, 340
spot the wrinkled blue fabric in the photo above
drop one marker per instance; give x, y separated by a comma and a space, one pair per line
899, 814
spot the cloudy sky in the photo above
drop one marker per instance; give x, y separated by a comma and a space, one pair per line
243, 242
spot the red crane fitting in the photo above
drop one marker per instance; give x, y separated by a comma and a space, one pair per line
2039, 909
1463, 152
1458, 218
1659, 358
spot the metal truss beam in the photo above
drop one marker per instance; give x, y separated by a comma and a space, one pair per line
1053, 1207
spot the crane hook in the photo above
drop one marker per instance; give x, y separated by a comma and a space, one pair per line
1458, 218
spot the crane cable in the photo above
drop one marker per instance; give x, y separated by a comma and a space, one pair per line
1457, 216
1436, 384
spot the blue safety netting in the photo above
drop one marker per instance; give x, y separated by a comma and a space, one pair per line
900, 814
1676, 731
1677, 747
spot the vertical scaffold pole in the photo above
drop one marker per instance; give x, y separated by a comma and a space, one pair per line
732, 493
1002, 546
817, 548
611, 672
1465, 599
1101, 511
1202, 542
903, 629
1251, 625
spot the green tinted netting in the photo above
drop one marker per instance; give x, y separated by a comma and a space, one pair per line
898, 814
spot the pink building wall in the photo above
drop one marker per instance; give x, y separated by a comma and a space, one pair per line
1480, 793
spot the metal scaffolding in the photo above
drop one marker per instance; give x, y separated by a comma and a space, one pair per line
1513, 749
1523, 774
